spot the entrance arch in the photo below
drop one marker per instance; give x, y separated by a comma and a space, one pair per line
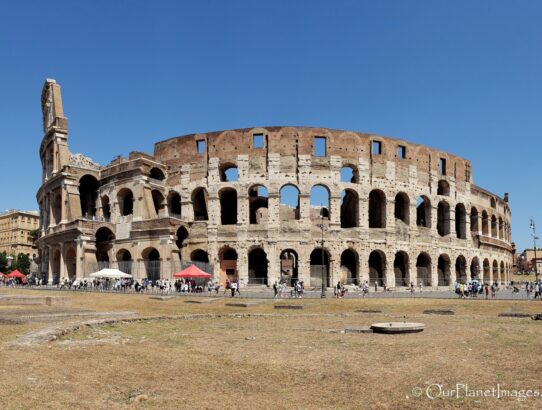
400, 267
151, 260
349, 265
289, 263
228, 264
444, 273
423, 268
317, 269
257, 267
377, 268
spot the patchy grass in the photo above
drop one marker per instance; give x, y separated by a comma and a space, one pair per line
284, 360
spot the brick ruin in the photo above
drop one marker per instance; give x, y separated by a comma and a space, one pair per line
252, 204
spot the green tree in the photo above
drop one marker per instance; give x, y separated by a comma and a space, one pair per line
3, 262
34, 235
22, 262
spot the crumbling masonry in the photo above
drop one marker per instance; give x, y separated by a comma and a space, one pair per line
253, 203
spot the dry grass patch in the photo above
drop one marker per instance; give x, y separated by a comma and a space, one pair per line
280, 360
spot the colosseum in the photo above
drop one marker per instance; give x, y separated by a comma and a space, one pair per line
266, 204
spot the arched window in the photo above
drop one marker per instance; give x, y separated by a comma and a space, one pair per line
199, 204
125, 198
461, 221
289, 203
494, 228
88, 194
443, 222
229, 172
402, 207
174, 204
349, 173
474, 223
182, 236
349, 209
106, 208
157, 174
319, 201
104, 239
485, 224
377, 209
158, 201
228, 206
258, 200
423, 212
443, 188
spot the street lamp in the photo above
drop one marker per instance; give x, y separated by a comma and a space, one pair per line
323, 294
533, 234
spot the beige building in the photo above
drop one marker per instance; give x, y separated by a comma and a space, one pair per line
15, 229
252, 204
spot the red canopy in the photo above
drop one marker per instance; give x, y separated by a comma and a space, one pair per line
16, 274
192, 272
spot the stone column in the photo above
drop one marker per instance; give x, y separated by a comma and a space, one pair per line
390, 271
273, 264
390, 213
453, 232
50, 267
62, 262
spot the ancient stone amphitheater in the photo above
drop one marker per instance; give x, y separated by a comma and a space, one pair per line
257, 204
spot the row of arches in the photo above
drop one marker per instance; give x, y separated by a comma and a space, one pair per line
290, 207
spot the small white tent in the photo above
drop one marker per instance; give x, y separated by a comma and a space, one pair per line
110, 273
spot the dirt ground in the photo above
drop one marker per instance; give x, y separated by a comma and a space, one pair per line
276, 359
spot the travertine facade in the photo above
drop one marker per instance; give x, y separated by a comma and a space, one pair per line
238, 202
15, 232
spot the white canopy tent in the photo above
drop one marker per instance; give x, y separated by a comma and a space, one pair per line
110, 273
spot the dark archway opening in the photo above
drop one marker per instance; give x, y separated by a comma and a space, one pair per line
349, 209
400, 268
402, 208
88, 195
289, 266
423, 269
174, 204
125, 198
319, 262
228, 206
423, 212
258, 200
257, 267
199, 203
443, 267
377, 209
349, 265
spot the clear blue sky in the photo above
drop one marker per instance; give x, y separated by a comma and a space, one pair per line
461, 76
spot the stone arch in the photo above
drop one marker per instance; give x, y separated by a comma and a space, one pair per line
494, 227
157, 174
377, 209
401, 269
71, 262
444, 270
257, 267
228, 264
289, 266
487, 272
495, 271
289, 203
88, 195
349, 174
228, 206
106, 207
55, 279
502, 272
182, 236
258, 202
485, 223
474, 220
461, 269
57, 209
124, 261
152, 263
349, 265
423, 268
125, 199
402, 207
318, 256
174, 204
501, 228
349, 209
461, 221
200, 199
475, 268
423, 212
229, 172
443, 218
443, 188
377, 268
199, 255
104, 239
319, 198
158, 201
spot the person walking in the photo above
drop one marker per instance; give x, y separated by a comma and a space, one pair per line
275, 289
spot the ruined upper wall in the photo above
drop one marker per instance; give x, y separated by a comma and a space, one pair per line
299, 141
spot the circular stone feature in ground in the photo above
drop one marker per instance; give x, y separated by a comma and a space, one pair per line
397, 328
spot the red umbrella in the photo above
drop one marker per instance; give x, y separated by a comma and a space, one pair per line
192, 272
16, 274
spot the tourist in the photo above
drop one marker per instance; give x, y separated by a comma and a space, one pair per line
493, 290
412, 288
275, 289
233, 287
486, 289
